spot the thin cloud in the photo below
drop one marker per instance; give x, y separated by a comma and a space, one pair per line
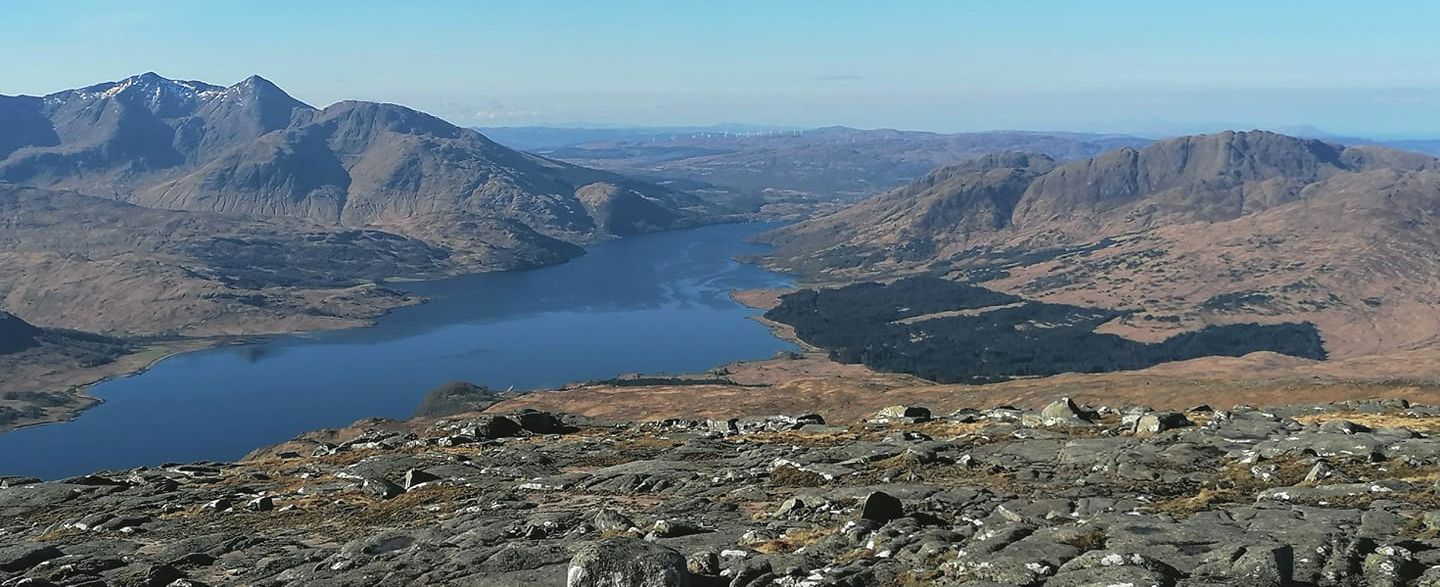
838, 78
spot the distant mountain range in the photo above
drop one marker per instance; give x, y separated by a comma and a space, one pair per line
835, 163
759, 165
1210, 229
250, 148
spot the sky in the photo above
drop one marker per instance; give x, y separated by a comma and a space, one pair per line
1352, 68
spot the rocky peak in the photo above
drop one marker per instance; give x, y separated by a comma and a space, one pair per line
1197, 165
164, 97
355, 119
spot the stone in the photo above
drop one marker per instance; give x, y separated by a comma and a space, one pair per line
674, 528
627, 562
18, 557
705, 562
1344, 427
881, 507
537, 422
1390, 566
218, 505
804, 420
380, 487
415, 477
492, 427
729, 426
1157, 422
1061, 506
1258, 565
1064, 412
902, 412
612, 522
1323, 472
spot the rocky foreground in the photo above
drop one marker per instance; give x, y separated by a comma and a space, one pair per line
1341, 494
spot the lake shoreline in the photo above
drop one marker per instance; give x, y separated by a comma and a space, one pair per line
673, 283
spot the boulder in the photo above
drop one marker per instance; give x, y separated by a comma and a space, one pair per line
705, 562
612, 522
881, 507
492, 427
1157, 422
1258, 565
380, 487
1064, 412
19, 557
1390, 566
904, 413
537, 422
1344, 427
415, 477
627, 562
729, 426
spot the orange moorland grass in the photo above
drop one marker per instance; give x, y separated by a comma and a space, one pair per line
1373, 420
794, 539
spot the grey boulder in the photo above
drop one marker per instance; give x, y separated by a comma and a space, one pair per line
627, 562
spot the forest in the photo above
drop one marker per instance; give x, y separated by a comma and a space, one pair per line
956, 333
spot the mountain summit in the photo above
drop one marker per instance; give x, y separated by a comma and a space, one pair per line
252, 149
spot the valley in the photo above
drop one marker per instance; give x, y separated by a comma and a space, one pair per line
637, 305
808, 293
180, 215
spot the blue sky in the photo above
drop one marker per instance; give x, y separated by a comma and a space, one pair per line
1114, 65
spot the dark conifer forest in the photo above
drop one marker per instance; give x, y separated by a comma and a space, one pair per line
952, 332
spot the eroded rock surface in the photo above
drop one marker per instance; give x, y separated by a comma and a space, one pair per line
1309, 495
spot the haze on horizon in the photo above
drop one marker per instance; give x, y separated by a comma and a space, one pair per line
1124, 66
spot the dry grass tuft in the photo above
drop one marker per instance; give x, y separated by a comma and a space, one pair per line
793, 540
1091, 539
1388, 420
787, 476
1184, 507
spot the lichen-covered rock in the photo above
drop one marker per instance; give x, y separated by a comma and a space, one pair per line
908, 413
1253, 497
1157, 422
627, 562
1064, 412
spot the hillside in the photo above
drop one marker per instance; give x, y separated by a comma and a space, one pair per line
1205, 230
30, 354
75, 261
16, 335
252, 149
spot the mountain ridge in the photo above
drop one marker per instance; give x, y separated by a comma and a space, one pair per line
1185, 233
250, 148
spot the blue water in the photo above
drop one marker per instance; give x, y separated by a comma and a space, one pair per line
653, 304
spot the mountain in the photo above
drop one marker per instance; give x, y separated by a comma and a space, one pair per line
826, 163
1227, 228
542, 138
252, 149
75, 261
